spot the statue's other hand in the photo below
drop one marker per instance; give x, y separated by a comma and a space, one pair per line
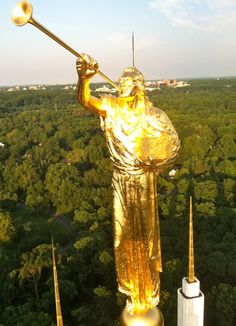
86, 67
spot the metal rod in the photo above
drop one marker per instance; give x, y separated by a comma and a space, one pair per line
32, 21
133, 47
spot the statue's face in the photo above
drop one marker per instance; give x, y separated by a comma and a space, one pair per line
127, 85
131, 82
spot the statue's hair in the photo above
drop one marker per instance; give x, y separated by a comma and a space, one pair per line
133, 73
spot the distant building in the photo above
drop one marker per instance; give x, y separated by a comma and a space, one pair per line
105, 89
172, 173
150, 89
167, 82
182, 83
153, 83
34, 88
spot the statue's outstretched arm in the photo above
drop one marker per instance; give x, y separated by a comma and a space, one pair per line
86, 70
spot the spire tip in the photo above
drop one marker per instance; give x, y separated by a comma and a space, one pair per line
191, 273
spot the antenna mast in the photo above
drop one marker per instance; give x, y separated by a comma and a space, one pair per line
133, 48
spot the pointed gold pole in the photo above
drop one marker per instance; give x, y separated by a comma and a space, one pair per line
191, 274
56, 289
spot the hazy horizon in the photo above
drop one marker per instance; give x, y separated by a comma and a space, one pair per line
104, 82
186, 39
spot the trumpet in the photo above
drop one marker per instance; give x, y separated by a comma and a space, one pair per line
23, 14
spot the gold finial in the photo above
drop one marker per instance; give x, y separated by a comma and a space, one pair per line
152, 317
56, 289
191, 276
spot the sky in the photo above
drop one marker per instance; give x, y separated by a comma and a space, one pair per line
173, 39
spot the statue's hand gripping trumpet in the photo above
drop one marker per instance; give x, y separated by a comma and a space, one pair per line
142, 142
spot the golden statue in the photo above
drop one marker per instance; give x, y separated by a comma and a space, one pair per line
142, 142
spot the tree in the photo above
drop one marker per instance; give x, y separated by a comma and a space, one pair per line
205, 191
227, 167
32, 264
23, 315
7, 229
222, 300
206, 209
225, 147
229, 191
62, 183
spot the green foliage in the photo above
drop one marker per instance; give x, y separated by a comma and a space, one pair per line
7, 229
23, 315
205, 191
206, 209
62, 183
82, 315
105, 258
101, 291
32, 264
83, 242
222, 298
55, 178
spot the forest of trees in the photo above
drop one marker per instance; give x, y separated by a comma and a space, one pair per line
55, 179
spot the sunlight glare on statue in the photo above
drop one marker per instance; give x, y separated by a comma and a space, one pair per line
142, 142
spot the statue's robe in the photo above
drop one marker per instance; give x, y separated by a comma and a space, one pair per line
142, 142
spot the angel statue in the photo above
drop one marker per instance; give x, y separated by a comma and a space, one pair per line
142, 142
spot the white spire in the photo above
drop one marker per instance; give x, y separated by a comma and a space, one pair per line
190, 297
